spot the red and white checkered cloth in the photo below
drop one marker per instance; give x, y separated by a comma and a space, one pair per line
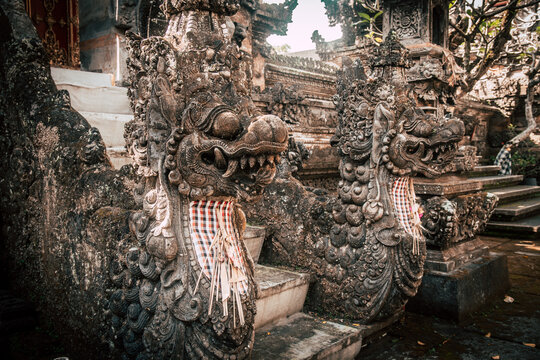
406, 209
203, 216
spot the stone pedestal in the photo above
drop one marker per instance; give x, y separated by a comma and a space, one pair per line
461, 275
457, 293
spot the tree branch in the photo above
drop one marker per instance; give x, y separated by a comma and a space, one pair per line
498, 46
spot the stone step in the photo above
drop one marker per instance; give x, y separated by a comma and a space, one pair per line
484, 170
301, 336
119, 156
516, 210
106, 99
529, 226
490, 182
254, 239
82, 78
512, 193
282, 293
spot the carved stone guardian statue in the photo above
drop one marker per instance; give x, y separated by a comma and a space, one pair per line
185, 288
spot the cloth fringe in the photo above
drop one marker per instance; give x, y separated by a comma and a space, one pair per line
220, 258
407, 210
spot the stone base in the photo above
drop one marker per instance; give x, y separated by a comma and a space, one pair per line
458, 293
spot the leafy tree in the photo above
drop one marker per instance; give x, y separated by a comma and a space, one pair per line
282, 49
485, 32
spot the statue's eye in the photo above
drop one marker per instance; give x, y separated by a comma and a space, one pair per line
226, 125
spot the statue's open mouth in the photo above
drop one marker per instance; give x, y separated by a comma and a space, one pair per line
237, 167
246, 165
431, 155
437, 156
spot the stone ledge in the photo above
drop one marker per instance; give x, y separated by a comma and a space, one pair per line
449, 259
446, 186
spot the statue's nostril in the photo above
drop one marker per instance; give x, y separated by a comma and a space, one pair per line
261, 129
277, 128
280, 130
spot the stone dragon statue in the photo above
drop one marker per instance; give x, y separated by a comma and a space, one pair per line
365, 246
185, 288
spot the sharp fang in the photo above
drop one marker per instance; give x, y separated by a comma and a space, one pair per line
251, 161
270, 159
261, 160
278, 159
221, 163
233, 165
243, 162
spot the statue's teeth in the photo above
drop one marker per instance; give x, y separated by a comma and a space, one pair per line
261, 160
278, 159
251, 161
243, 162
221, 163
270, 159
233, 165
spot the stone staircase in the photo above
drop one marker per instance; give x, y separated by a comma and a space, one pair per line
104, 106
518, 211
282, 330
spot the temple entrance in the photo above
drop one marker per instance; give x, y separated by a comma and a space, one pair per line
57, 23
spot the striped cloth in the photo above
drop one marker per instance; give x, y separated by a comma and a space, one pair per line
406, 209
203, 216
504, 160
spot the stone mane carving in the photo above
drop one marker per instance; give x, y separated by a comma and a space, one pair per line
365, 246
185, 288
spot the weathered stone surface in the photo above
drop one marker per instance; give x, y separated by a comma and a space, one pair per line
64, 209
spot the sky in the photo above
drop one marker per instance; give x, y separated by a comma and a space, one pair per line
308, 16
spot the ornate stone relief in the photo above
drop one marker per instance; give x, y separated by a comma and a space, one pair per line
447, 222
185, 288
286, 102
406, 21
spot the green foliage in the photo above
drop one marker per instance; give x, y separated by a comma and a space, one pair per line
282, 49
524, 160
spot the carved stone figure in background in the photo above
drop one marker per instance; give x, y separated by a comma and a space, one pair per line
368, 255
185, 289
